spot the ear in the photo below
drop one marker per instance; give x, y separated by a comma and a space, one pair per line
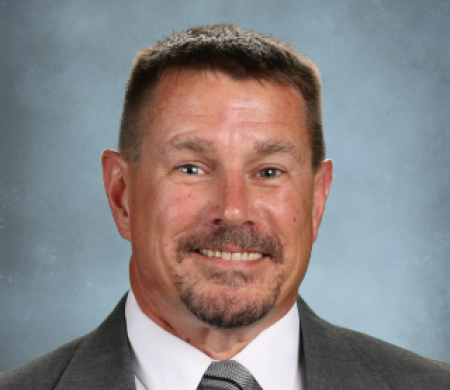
322, 184
116, 178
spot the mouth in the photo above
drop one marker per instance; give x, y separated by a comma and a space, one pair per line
235, 247
231, 256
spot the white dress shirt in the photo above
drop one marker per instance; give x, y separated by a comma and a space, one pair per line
162, 361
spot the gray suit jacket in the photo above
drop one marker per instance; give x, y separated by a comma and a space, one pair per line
336, 358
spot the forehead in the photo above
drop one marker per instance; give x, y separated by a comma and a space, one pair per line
202, 101
184, 89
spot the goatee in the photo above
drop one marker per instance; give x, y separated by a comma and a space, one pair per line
224, 302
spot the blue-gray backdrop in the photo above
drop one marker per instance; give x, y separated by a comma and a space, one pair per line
381, 263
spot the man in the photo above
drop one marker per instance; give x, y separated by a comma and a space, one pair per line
220, 186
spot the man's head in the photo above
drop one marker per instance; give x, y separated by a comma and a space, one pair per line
222, 195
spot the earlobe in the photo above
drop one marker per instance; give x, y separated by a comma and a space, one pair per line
116, 182
322, 185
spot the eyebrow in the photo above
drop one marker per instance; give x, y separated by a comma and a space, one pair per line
261, 148
282, 147
194, 144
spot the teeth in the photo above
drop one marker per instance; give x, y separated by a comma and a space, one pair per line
236, 256
231, 256
226, 255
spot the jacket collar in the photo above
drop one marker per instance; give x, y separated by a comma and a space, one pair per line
332, 360
103, 359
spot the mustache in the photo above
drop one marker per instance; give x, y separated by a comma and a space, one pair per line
247, 237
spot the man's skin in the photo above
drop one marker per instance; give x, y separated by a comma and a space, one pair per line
219, 153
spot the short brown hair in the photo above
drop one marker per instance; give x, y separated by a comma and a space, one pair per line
239, 53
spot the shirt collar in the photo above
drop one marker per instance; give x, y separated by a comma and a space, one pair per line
163, 361
273, 356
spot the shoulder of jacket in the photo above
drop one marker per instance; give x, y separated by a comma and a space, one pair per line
338, 355
42, 373
398, 366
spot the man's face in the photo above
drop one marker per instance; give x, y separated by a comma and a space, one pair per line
221, 205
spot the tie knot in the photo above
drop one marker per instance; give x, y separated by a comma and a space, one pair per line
227, 375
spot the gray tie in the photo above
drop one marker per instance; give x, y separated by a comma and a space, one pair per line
226, 375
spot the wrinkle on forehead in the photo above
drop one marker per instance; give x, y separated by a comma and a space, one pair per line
237, 105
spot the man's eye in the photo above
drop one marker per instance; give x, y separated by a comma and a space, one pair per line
191, 170
269, 173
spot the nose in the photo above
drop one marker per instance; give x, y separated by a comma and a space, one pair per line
230, 204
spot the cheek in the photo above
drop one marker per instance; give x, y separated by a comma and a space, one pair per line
289, 209
178, 207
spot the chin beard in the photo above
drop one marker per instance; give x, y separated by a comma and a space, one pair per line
224, 299
227, 309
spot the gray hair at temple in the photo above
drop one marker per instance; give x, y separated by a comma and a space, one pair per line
238, 53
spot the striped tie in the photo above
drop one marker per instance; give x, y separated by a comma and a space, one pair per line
226, 375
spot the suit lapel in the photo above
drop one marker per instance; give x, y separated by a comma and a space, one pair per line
103, 359
332, 362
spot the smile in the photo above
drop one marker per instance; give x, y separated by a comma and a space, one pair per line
239, 256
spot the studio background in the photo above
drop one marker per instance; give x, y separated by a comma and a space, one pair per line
381, 263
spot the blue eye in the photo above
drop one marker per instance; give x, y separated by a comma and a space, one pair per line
191, 170
268, 173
